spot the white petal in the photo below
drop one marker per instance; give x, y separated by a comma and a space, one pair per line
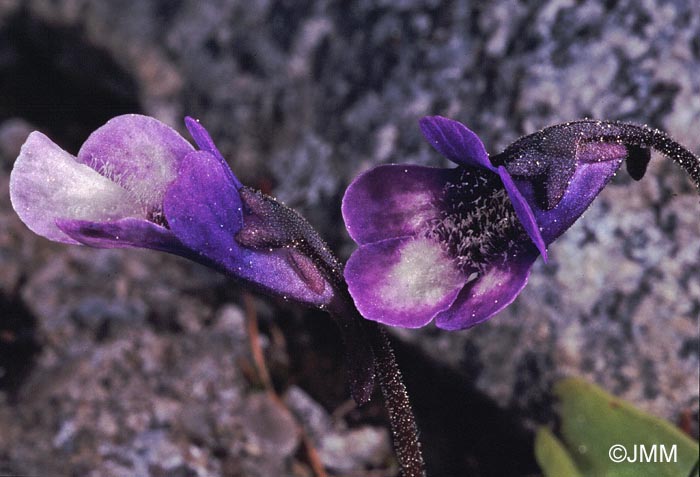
139, 153
47, 183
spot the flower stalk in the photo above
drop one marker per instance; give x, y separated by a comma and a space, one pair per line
385, 370
398, 405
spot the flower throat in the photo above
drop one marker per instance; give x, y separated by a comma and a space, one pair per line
477, 223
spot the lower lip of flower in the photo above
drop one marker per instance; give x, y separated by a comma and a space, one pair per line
477, 224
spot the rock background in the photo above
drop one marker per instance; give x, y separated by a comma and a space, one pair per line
112, 359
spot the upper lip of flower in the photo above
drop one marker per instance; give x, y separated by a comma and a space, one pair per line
101, 183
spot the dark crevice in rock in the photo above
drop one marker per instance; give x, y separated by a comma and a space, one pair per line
533, 368
51, 76
18, 344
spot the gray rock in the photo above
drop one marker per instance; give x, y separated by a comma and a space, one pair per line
271, 430
355, 448
340, 448
309, 413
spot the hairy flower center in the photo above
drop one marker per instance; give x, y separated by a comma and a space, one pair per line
477, 224
157, 217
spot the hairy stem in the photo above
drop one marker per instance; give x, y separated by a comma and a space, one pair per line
403, 423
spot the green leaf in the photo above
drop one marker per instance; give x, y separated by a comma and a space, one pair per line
593, 421
553, 458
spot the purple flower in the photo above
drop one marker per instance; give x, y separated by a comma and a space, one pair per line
137, 183
457, 245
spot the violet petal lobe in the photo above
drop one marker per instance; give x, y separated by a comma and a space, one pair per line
203, 208
488, 294
402, 282
523, 211
393, 201
137, 152
206, 143
128, 232
47, 183
456, 142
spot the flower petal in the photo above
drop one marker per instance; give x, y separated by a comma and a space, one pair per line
203, 208
523, 211
488, 294
139, 153
393, 201
456, 142
47, 183
206, 143
402, 282
123, 233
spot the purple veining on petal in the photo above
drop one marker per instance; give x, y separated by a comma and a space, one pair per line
523, 211
393, 201
206, 143
490, 293
402, 282
456, 142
